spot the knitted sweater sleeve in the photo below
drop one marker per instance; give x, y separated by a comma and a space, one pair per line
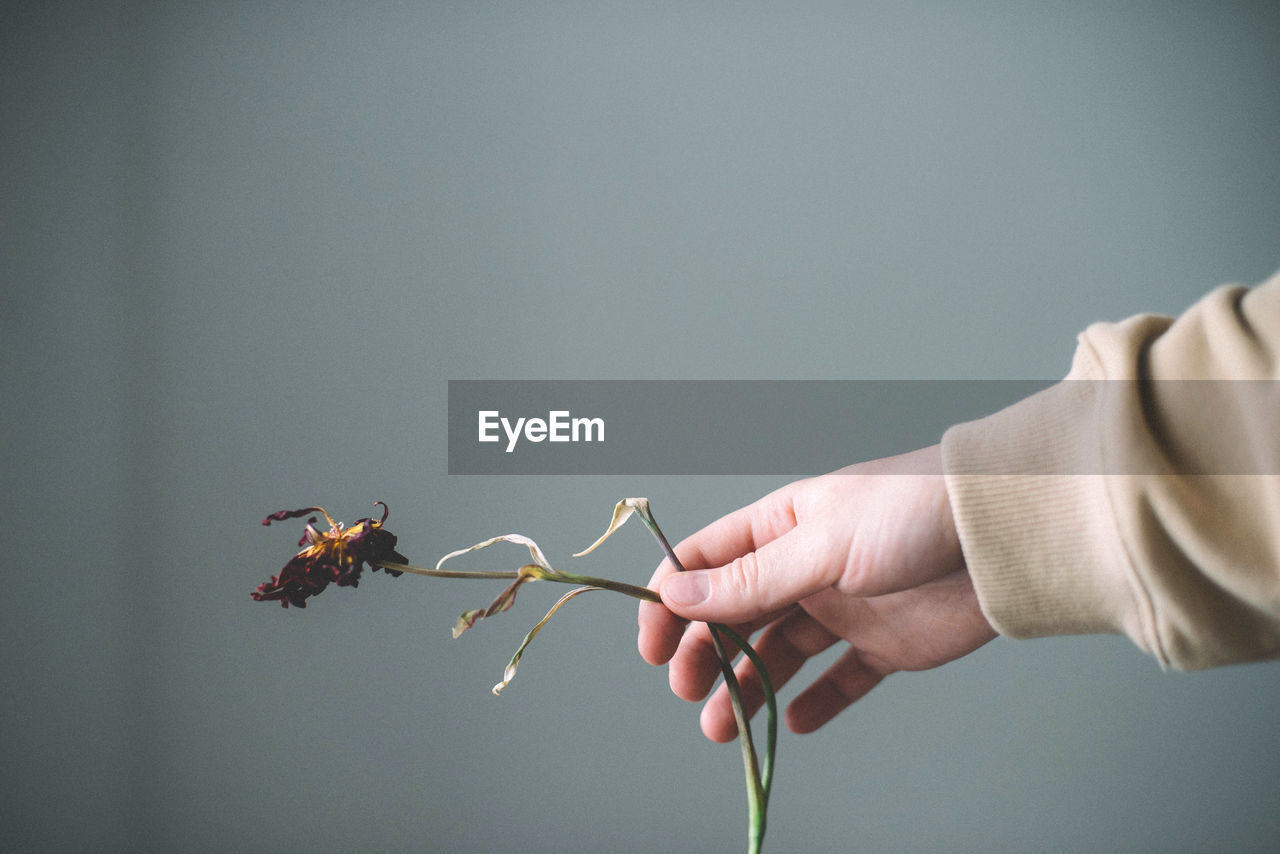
1141, 495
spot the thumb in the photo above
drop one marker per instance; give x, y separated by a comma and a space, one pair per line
776, 575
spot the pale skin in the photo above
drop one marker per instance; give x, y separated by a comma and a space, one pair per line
867, 556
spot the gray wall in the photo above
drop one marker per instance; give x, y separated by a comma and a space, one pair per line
244, 247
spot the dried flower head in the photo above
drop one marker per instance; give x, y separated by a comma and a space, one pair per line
338, 555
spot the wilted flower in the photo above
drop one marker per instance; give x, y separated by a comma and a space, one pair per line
338, 555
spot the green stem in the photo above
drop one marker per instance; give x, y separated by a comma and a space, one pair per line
759, 775
771, 704
759, 781
757, 797
591, 581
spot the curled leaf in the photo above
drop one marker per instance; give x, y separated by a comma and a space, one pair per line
621, 513
510, 672
505, 600
519, 539
466, 620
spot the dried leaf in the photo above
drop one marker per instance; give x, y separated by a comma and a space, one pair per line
621, 513
519, 539
466, 621
505, 600
510, 672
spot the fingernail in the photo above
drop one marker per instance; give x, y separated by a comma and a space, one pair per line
686, 588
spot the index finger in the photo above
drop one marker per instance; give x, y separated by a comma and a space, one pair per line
729, 537
740, 532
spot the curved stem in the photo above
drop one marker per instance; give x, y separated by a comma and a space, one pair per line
757, 795
631, 590
759, 780
759, 774
770, 701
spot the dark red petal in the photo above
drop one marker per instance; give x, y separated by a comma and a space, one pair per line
269, 591
281, 515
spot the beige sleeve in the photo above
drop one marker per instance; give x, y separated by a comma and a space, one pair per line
1142, 494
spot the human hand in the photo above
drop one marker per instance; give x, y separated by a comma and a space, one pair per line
868, 555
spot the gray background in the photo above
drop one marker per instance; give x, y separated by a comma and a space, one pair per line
244, 247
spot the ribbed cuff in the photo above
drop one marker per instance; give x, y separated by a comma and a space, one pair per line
1035, 521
